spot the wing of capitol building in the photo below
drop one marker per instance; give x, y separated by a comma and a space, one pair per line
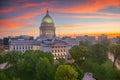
47, 41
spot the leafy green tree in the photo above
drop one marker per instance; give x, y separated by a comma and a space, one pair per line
79, 70
103, 71
25, 66
30, 60
113, 74
105, 43
3, 76
97, 53
31, 57
61, 60
66, 72
115, 50
78, 52
44, 69
14, 78
110, 73
89, 65
2, 60
12, 58
95, 68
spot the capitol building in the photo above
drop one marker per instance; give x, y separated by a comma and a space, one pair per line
46, 41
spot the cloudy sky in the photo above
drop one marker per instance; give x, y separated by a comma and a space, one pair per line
71, 17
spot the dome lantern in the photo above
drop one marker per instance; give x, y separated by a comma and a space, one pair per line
47, 19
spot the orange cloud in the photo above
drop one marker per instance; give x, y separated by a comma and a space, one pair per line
16, 22
35, 32
34, 4
30, 15
7, 10
115, 16
14, 8
70, 26
110, 35
30, 32
6, 24
90, 28
90, 6
21, 0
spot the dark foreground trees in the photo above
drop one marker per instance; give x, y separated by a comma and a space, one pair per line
44, 69
38, 65
32, 65
103, 71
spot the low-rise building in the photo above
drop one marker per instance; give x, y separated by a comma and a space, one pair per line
86, 38
115, 40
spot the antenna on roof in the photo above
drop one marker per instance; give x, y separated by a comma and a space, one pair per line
74, 35
47, 12
58, 33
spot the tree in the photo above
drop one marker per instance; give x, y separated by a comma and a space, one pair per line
14, 78
3, 76
105, 43
30, 61
78, 52
44, 69
113, 74
115, 50
2, 60
61, 60
84, 42
79, 70
97, 53
25, 66
12, 58
101, 72
66, 72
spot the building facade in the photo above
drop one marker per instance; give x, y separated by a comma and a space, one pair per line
102, 37
86, 38
47, 41
115, 40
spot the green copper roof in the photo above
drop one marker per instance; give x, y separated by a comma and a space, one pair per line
47, 18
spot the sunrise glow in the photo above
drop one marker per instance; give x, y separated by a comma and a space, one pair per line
71, 17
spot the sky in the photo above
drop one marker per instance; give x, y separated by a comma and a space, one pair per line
71, 17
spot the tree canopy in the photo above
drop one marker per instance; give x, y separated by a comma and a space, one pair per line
78, 52
97, 53
30, 63
44, 69
66, 72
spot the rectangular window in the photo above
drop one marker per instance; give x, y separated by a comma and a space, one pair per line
52, 50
